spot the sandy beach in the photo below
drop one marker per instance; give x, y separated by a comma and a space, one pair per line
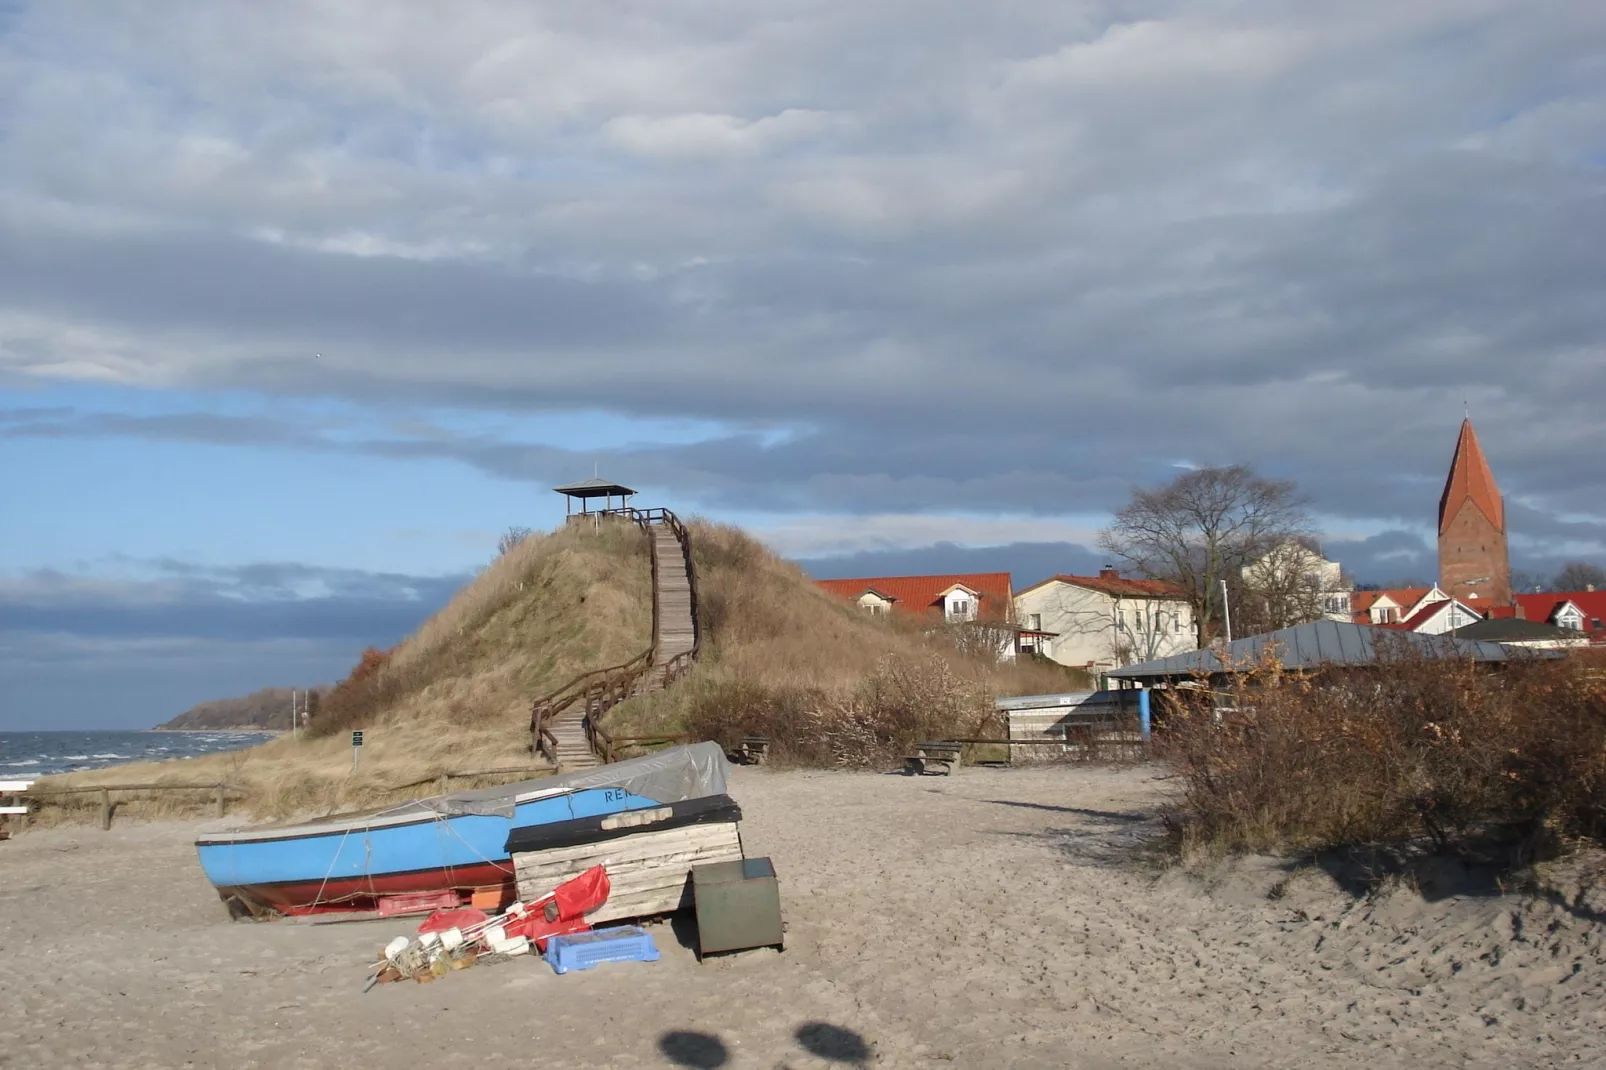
995, 918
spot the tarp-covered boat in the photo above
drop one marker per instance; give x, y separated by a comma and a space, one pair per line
457, 842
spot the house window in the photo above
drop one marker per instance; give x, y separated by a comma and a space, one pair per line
1595, 623
960, 609
1176, 623
1035, 622
875, 609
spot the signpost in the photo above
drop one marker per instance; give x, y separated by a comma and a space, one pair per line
356, 745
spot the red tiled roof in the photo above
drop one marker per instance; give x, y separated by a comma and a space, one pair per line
1541, 607
1470, 479
1425, 614
1361, 602
1118, 586
923, 594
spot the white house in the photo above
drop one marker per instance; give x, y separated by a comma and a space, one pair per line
1105, 621
1438, 618
976, 606
1305, 582
1392, 606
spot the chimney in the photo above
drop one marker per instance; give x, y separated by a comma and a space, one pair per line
1109, 572
1590, 587
1517, 610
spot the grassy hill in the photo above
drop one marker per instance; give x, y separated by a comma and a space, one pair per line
829, 683
267, 709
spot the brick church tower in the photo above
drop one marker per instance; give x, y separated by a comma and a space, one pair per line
1474, 564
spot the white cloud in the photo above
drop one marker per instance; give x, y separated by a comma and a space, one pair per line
701, 134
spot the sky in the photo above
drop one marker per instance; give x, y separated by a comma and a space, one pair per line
303, 304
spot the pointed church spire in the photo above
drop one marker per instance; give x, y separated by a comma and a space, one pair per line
1474, 562
1470, 480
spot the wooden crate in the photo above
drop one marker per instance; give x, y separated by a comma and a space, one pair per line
648, 871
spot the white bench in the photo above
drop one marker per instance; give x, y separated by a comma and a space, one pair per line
11, 802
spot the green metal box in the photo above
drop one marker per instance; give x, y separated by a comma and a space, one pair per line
738, 905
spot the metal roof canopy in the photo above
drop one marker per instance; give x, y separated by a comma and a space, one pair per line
1320, 643
587, 489
1513, 629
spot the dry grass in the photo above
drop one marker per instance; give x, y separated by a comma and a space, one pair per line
1437, 751
552, 607
824, 681
454, 696
781, 658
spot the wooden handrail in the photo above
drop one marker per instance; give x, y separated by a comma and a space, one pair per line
441, 778
602, 689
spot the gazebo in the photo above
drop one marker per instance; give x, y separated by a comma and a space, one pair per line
587, 489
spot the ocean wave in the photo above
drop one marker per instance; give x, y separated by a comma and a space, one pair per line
29, 761
104, 756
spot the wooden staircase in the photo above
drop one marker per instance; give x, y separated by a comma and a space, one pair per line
673, 617
564, 725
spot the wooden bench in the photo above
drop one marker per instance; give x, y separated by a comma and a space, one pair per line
933, 757
12, 804
754, 750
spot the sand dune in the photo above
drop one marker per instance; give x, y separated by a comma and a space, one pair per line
992, 919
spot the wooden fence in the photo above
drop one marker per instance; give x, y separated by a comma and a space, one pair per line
220, 793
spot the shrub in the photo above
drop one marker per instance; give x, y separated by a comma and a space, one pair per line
1435, 747
899, 704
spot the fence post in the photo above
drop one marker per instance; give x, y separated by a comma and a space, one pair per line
220, 802
105, 809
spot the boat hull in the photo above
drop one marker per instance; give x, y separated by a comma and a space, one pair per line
350, 865
455, 842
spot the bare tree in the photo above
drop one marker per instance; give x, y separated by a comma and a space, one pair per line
1204, 527
985, 640
1579, 576
1525, 582
511, 538
1283, 587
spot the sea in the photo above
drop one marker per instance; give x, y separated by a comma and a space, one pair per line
26, 755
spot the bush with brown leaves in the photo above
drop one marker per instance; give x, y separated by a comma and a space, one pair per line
1413, 748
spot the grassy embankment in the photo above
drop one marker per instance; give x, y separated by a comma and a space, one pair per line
828, 683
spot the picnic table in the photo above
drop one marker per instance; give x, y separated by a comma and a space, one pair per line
934, 756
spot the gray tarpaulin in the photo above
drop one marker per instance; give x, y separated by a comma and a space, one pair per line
668, 776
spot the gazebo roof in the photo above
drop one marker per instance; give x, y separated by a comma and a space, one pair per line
593, 488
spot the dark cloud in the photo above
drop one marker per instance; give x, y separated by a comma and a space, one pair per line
1389, 556
82, 652
245, 604
1026, 562
1019, 267
62, 682
912, 257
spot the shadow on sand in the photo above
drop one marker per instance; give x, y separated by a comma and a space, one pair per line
705, 1051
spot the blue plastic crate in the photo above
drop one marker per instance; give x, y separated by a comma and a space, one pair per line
581, 951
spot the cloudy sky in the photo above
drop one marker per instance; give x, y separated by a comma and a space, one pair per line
301, 304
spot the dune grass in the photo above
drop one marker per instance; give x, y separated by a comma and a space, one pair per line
828, 684
781, 658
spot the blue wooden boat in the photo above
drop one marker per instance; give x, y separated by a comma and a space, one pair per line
450, 843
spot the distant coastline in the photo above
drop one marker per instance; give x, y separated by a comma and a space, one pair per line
275, 732
266, 710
